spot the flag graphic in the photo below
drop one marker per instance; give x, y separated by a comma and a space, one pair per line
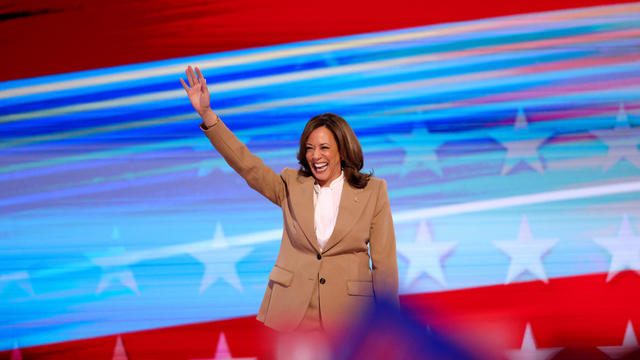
510, 145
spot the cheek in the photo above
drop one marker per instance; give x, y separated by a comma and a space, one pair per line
336, 159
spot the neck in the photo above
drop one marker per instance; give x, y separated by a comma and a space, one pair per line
328, 182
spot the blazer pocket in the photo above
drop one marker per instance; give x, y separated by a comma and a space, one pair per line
360, 288
281, 276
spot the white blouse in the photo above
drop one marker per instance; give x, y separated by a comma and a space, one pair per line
326, 201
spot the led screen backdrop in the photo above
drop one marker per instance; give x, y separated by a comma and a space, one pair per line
509, 145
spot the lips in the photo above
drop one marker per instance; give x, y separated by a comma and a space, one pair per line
320, 167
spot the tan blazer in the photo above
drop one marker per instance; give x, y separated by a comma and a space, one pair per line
345, 281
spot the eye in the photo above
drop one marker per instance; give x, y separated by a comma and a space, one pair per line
324, 147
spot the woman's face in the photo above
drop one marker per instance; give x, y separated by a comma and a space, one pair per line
323, 156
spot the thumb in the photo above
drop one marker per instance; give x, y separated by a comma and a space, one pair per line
206, 88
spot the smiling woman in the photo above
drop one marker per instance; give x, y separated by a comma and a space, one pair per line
328, 146
322, 156
333, 229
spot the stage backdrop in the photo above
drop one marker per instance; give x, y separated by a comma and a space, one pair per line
509, 142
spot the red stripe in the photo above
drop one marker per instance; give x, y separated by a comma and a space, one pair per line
577, 313
56, 36
580, 311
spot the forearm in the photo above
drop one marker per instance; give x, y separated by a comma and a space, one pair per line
257, 175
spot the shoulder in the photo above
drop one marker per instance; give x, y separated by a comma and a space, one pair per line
288, 172
292, 175
377, 187
378, 191
376, 184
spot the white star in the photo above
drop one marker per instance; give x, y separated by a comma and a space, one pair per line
420, 150
529, 351
521, 144
526, 253
112, 276
629, 344
425, 256
622, 140
208, 165
15, 353
113, 270
119, 353
220, 261
20, 278
624, 249
222, 350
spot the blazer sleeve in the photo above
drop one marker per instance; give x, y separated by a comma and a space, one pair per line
382, 244
257, 175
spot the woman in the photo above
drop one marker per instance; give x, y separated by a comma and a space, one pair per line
335, 219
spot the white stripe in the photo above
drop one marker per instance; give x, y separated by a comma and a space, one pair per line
229, 86
292, 77
97, 105
401, 217
231, 61
97, 130
515, 21
519, 200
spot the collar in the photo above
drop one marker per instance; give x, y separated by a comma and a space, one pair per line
334, 184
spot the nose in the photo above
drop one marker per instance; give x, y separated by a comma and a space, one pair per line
315, 155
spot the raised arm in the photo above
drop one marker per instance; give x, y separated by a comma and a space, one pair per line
259, 176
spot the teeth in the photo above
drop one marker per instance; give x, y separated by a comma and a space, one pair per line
321, 167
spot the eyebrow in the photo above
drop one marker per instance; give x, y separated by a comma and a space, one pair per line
310, 144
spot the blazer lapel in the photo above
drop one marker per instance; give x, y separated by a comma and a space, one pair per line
303, 203
352, 202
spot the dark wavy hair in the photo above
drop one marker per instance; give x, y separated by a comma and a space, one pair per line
351, 157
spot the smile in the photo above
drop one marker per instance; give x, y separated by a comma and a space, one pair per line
321, 167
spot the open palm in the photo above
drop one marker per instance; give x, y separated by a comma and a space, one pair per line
197, 90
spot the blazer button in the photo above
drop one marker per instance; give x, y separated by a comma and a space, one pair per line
319, 256
322, 281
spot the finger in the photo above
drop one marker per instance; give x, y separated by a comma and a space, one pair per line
186, 88
190, 76
204, 84
200, 77
195, 77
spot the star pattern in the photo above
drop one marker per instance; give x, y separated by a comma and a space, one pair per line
425, 256
119, 353
420, 150
113, 276
220, 261
526, 253
624, 249
223, 352
529, 350
207, 166
20, 278
113, 271
622, 140
15, 353
629, 344
521, 144
134, 141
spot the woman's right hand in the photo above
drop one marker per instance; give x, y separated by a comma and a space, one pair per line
197, 91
